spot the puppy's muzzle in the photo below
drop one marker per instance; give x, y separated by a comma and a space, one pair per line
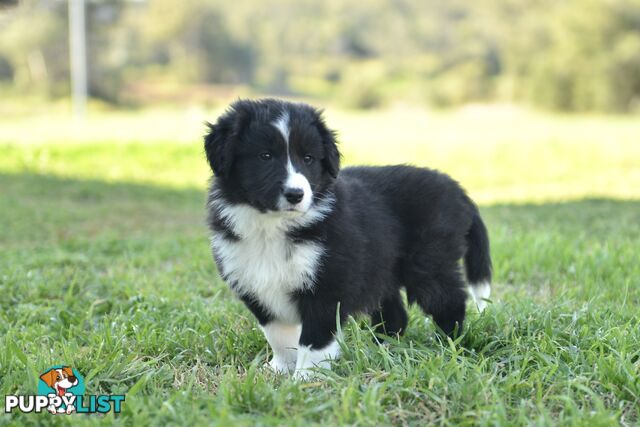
293, 195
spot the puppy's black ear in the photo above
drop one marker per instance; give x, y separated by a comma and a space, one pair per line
331, 160
218, 146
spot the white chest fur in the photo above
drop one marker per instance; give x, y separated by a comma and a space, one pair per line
264, 263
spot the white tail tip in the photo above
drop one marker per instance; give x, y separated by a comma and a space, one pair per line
480, 292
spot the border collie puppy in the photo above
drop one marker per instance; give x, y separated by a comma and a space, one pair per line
303, 243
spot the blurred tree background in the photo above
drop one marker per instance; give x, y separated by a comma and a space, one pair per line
566, 55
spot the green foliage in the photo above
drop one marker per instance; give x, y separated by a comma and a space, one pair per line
6, 69
194, 38
362, 83
33, 41
570, 55
587, 58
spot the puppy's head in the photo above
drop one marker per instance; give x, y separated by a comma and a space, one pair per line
273, 155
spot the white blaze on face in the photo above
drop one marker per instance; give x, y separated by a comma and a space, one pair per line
282, 124
294, 178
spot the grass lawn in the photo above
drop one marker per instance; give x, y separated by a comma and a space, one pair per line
105, 266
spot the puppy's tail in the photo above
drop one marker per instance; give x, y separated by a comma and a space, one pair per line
477, 262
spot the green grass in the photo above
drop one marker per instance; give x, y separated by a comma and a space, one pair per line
105, 266
501, 155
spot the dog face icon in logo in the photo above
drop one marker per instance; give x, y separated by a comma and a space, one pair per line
62, 381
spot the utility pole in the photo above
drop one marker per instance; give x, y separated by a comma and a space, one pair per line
78, 57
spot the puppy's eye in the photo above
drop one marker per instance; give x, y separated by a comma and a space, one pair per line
308, 159
266, 156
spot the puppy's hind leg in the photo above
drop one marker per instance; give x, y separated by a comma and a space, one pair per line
391, 318
444, 298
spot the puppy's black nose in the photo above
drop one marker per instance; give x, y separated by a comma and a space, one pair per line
293, 195
72, 378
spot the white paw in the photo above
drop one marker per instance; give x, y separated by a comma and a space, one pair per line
309, 359
71, 409
304, 374
280, 366
52, 409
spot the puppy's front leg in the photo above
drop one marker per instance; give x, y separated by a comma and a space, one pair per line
318, 345
283, 339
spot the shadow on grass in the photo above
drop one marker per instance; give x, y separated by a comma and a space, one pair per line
540, 249
46, 206
601, 218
